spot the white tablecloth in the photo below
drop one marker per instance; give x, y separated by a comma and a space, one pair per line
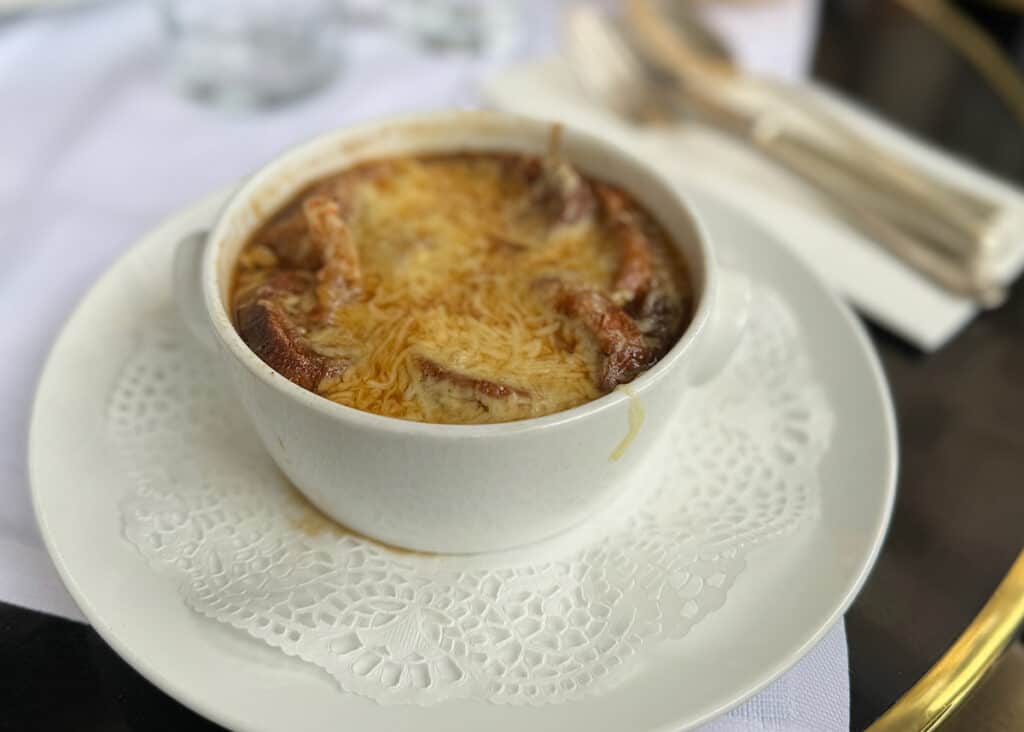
95, 149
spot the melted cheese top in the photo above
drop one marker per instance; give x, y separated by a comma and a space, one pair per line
451, 249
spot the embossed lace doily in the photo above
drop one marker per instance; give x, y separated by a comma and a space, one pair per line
210, 508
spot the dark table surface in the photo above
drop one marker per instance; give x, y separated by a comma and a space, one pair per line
959, 519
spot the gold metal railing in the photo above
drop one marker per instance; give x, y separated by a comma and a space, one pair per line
949, 682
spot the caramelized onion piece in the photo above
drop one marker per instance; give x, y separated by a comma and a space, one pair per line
633, 280
482, 387
288, 239
505, 245
563, 193
339, 278
556, 186
661, 319
618, 336
267, 328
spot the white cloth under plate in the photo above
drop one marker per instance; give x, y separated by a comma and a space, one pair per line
95, 149
879, 285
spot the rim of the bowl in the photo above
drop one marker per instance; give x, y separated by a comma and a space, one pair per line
225, 331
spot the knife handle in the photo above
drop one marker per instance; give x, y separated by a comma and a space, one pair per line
942, 241
846, 197
975, 211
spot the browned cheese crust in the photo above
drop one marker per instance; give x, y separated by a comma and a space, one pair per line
371, 282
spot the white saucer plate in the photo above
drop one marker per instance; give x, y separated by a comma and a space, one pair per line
792, 592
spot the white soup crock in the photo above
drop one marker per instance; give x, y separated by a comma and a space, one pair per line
456, 488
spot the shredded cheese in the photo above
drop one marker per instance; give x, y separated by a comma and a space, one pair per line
450, 253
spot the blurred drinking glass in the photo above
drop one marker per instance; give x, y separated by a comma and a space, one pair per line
252, 53
482, 27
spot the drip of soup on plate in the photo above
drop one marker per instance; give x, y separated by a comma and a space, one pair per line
461, 288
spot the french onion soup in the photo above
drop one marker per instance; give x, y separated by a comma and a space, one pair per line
461, 288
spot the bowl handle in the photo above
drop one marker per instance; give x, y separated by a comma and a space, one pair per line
729, 316
188, 294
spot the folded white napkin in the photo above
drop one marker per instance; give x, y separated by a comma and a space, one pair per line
879, 285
